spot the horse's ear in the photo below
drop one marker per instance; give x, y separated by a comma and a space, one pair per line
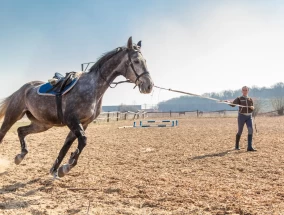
129, 43
139, 44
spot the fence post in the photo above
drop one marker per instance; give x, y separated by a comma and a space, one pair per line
117, 116
82, 67
125, 117
108, 117
197, 113
170, 113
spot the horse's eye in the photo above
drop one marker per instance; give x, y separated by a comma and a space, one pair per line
136, 61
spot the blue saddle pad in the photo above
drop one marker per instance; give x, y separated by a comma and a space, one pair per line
45, 89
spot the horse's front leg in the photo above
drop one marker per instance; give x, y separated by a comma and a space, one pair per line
67, 144
78, 130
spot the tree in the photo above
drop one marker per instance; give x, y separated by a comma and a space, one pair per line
278, 104
258, 105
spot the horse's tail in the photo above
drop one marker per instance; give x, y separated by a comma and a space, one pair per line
3, 105
17, 99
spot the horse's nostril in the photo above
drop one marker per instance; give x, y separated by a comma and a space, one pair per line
149, 87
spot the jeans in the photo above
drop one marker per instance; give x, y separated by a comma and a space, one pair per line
242, 120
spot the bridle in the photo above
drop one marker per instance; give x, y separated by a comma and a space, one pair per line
133, 69
128, 63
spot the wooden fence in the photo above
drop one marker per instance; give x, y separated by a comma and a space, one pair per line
116, 116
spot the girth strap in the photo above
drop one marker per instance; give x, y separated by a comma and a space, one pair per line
59, 97
59, 107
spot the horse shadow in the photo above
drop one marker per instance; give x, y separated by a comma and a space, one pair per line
14, 203
218, 154
3, 173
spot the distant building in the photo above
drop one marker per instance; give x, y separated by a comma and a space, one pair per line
150, 110
121, 108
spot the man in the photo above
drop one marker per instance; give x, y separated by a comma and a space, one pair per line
244, 117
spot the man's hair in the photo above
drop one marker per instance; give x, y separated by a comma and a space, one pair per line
245, 87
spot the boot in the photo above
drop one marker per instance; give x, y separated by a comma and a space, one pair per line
250, 148
238, 137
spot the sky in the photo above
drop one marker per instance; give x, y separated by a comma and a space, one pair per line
193, 46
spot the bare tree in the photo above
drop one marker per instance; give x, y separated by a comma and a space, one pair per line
278, 104
258, 106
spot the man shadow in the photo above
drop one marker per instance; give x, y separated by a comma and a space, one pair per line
218, 154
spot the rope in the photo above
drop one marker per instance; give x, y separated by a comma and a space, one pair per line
205, 97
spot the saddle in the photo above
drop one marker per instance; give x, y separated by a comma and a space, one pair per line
59, 82
57, 76
58, 86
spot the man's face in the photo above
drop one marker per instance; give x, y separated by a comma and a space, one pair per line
245, 91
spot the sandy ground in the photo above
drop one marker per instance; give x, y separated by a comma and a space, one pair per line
188, 169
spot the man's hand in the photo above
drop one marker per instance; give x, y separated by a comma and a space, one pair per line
227, 101
251, 107
230, 103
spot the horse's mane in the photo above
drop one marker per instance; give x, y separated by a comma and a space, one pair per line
106, 56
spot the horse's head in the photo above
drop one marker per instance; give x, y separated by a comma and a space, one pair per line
136, 68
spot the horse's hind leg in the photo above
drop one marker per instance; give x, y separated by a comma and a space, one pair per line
11, 117
23, 132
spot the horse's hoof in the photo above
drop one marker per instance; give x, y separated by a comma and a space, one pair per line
53, 171
63, 170
55, 176
19, 158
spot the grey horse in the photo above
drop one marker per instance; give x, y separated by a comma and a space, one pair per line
79, 107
